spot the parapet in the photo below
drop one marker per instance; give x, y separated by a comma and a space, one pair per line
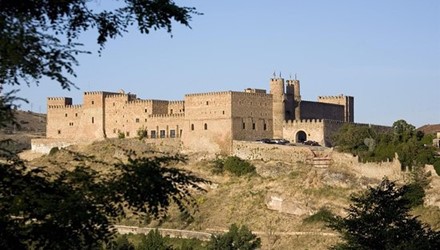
250, 90
210, 93
341, 96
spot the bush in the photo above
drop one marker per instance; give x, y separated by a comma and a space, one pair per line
53, 150
121, 135
237, 238
153, 241
121, 243
322, 215
142, 133
237, 166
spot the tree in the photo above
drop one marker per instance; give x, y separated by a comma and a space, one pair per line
153, 241
236, 238
380, 219
40, 38
76, 209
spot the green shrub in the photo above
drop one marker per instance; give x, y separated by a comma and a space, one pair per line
218, 166
142, 133
121, 135
120, 243
237, 166
437, 166
322, 215
53, 150
153, 241
236, 238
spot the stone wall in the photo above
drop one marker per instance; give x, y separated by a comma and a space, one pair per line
44, 146
271, 152
317, 110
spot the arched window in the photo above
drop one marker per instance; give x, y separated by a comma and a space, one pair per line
301, 137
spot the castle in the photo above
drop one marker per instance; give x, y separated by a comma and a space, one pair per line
204, 121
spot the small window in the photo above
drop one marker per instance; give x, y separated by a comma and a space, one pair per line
253, 126
153, 134
206, 126
93, 119
192, 126
244, 125
65, 115
171, 111
114, 131
162, 134
145, 119
127, 134
223, 112
137, 120
207, 102
146, 110
59, 132
265, 127
172, 133
93, 102
113, 104
76, 114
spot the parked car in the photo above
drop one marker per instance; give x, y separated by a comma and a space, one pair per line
281, 141
311, 143
264, 140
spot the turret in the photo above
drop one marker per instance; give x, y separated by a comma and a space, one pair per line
278, 106
297, 98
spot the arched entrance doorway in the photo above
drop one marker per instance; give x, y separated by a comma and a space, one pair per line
301, 137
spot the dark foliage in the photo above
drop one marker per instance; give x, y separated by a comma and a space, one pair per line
413, 147
39, 38
233, 165
380, 219
76, 209
153, 241
236, 238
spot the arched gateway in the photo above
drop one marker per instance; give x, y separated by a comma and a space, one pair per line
301, 136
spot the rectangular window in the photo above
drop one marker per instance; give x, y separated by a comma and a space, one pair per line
76, 114
137, 120
93, 102
65, 115
153, 134
265, 127
172, 133
93, 119
244, 125
128, 134
162, 134
146, 110
59, 131
253, 125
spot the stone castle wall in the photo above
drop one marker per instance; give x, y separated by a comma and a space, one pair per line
203, 122
316, 110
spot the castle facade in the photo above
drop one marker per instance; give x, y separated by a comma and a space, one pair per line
204, 121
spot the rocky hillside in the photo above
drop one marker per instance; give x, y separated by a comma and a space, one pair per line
274, 202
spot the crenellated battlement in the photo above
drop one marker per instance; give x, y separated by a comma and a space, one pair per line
76, 106
238, 93
178, 102
210, 93
341, 96
57, 98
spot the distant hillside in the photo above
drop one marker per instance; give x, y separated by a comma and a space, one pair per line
430, 128
28, 125
27, 122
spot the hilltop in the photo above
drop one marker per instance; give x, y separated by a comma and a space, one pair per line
274, 202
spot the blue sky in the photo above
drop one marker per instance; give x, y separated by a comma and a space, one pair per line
384, 53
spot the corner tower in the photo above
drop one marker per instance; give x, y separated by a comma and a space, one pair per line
278, 105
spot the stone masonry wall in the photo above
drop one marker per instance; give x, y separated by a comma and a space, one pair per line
271, 152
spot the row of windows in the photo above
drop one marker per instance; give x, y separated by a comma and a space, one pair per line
153, 133
76, 115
